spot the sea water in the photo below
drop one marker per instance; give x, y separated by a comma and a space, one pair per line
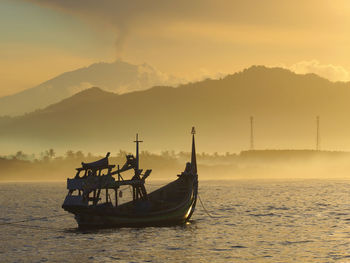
248, 221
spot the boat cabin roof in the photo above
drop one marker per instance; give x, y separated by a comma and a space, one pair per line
95, 168
97, 165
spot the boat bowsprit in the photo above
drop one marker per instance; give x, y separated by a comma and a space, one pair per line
171, 204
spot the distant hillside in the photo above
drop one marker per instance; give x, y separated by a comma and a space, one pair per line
283, 103
118, 77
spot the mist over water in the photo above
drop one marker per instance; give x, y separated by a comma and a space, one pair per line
254, 164
254, 220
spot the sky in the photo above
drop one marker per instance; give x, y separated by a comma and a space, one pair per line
189, 39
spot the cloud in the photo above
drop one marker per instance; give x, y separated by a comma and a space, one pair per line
179, 36
328, 71
125, 18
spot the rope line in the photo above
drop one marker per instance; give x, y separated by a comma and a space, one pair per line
36, 227
32, 219
205, 210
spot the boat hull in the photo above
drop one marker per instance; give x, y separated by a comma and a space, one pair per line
103, 220
127, 216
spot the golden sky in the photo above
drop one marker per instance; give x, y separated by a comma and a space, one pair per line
188, 39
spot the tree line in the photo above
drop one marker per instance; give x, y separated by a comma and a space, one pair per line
70, 155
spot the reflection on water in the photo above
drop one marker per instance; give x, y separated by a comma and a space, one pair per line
265, 221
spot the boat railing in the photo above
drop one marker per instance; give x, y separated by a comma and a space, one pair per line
98, 182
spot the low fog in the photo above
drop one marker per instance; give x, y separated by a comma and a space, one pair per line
247, 165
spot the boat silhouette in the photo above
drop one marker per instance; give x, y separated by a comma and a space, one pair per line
171, 204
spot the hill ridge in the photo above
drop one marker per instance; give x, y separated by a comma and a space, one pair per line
284, 105
118, 76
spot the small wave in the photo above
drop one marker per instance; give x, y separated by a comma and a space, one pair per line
227, 209
117, 258
285, 243
5, 219
341, 214
238, 246
59, 237
221, 249
277, 208
322, 204
174, 248
268, 214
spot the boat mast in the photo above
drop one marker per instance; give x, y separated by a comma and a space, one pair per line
137, 152
193, 156
139, 190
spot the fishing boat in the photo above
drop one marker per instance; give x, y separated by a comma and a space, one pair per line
171, 204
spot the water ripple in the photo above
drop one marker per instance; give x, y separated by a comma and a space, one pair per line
255, 221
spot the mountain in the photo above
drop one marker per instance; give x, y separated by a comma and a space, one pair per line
284, 106
118, 77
